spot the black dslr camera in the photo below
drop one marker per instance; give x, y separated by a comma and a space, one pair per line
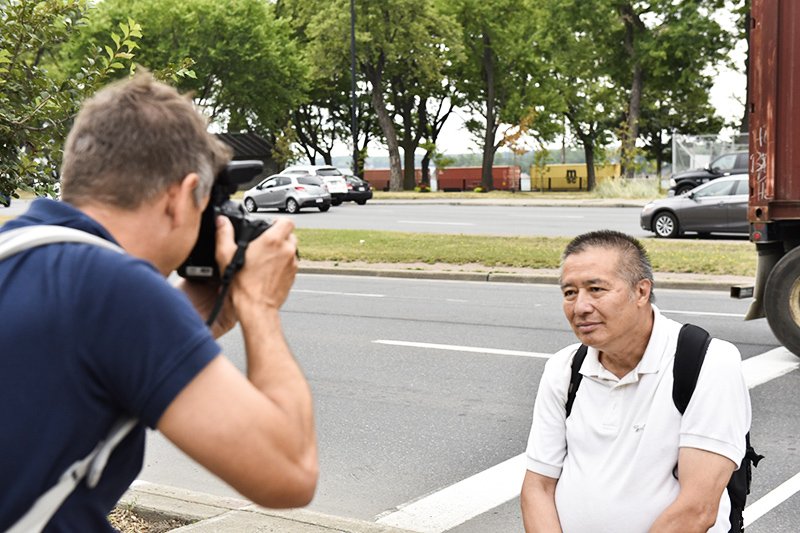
201, 264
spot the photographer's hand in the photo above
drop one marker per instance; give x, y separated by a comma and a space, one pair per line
270, 263
256, 433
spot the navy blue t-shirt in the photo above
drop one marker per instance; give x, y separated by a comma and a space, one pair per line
88, 334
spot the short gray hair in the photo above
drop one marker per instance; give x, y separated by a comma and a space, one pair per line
633, 266
133, 140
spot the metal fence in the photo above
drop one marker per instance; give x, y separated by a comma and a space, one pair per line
698, 151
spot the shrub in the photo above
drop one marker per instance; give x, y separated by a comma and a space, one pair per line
624, 188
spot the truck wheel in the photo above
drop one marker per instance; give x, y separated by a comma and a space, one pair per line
665, 225
683, 188
782, 300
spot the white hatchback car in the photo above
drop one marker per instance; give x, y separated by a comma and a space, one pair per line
332, 177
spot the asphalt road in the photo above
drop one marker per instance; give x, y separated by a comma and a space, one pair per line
424, 390
470, 219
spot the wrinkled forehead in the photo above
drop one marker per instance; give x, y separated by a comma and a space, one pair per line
595, 263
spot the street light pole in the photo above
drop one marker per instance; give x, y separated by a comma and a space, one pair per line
353, 125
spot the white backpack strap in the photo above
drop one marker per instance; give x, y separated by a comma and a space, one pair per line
20, 239
90, 467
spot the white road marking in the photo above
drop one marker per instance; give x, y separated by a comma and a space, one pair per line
471, 349
768, 366
771, 500
331, 293
702, 313
436, 223
463, 501
466, 499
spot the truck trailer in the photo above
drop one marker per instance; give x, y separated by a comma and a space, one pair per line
774, 202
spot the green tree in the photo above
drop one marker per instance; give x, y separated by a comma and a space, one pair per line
574, 37
326, 116
501, 74
248, 74
37, 105
657, 37
395, 41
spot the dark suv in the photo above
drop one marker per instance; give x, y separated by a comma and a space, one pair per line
724, 165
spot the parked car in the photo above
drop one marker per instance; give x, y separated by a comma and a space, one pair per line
719, 206
358, 190
288, 193
332, 177
724, 165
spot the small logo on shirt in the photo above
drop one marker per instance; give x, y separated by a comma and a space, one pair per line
638, 427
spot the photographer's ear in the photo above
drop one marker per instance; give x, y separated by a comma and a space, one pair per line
181, 199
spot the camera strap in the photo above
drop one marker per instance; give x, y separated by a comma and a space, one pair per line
233, 267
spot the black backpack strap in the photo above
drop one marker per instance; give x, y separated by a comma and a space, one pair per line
693, 343
575, 379
689, 355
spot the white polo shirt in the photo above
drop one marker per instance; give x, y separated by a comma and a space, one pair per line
615, 454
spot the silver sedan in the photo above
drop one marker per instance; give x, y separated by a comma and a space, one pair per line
288, 193
719, 206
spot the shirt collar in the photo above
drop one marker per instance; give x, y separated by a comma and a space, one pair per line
651, 360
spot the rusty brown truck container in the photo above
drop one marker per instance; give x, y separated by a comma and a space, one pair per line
774, 205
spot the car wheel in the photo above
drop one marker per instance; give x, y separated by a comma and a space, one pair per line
324, 208
291, 206
250, 205
361, 202
683, 188
665, 225
336, 201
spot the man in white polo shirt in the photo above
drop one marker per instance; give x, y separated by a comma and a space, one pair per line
611, 465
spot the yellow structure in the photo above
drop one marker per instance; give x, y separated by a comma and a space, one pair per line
567, 177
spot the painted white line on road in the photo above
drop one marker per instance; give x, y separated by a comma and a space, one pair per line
546, 216
774, 498
436, 223
331, 293
463, 501
768, 366
486, 490
701, 313
471, 349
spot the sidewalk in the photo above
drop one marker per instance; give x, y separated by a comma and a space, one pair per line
215, 514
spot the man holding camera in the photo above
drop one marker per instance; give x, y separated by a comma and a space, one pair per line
93, 334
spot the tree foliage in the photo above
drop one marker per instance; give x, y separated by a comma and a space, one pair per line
37, 105
501, 76
401, 52
247, 72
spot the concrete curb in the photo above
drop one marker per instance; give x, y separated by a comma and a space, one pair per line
662, 280
216, 514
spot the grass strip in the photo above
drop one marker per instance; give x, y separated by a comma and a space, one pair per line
702, 257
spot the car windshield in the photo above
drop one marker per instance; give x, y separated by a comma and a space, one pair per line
328, 172
353, 180
726, 161
309, 180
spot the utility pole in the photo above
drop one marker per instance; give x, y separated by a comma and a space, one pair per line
353, 123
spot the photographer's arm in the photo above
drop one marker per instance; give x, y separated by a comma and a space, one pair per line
256, 433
